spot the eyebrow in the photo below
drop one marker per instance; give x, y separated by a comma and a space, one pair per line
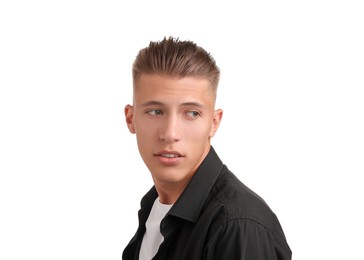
193, 104
185, 104
152, 103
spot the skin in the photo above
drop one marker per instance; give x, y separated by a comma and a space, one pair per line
174, 120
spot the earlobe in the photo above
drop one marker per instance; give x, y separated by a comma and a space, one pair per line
216, 121
129, 118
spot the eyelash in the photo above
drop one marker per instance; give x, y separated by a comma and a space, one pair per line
153, 111
158, 112
195, 113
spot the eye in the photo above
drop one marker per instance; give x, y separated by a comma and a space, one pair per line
155, 112
192, 114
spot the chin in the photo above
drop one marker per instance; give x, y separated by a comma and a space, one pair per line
170, 176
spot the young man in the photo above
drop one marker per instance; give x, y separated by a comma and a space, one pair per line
197, 209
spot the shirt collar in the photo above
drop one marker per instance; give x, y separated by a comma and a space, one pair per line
189, 204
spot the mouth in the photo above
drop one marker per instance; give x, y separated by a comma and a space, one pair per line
168, 154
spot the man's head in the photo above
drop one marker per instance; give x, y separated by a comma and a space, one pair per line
173, 114
178, 59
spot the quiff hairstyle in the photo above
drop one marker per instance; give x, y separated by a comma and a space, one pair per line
175, 58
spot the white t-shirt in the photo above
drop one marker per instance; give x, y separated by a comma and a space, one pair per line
152, 236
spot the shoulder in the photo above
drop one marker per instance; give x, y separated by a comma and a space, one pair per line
242, 207
242, 238
239, 200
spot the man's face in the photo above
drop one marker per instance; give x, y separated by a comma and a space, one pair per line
173, 119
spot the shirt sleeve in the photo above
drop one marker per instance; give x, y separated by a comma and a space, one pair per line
244, 239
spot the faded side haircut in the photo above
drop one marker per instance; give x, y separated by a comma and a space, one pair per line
175, 58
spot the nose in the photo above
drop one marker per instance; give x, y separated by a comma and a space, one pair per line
170, 129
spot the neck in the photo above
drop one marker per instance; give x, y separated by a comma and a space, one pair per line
169, 192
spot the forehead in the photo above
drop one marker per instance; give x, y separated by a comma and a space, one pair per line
167, 89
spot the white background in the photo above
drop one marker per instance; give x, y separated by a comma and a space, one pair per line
291, 89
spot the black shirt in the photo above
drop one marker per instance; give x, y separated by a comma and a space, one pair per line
216, 217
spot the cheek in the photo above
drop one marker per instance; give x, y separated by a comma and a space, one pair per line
199, 131
144, 140
143, 125
144, 133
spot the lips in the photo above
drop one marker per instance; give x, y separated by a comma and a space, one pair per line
169, 158
169, 154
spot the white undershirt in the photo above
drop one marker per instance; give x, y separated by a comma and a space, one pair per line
152, 236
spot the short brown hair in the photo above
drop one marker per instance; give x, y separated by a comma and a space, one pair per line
176, 58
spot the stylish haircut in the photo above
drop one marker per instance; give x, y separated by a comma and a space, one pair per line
175, 58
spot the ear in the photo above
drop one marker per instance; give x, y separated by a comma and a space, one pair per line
216, 121
129, 118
